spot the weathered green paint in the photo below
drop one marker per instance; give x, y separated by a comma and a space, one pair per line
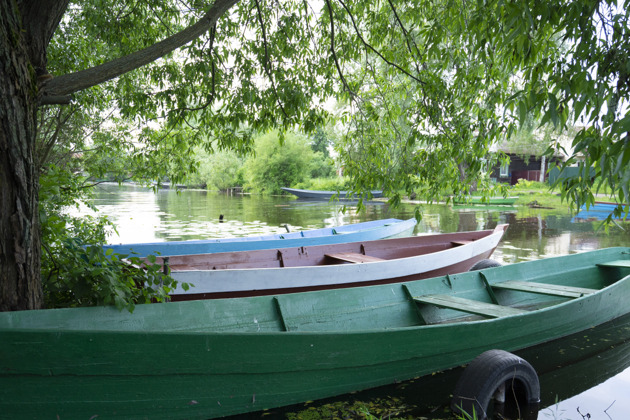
204, 359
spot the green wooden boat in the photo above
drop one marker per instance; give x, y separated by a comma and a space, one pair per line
211, 358
491, 201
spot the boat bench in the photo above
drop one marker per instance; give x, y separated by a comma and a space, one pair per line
460, 243
544, 288
616, 264
468, 305
353, 257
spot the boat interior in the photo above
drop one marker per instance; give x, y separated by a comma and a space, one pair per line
348, 253
463, 297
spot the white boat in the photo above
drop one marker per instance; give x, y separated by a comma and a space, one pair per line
286, 270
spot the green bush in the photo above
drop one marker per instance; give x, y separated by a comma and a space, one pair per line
221, 170
526, 185
75, 269
325, 184
277, 165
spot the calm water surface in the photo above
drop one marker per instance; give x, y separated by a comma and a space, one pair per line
595, 375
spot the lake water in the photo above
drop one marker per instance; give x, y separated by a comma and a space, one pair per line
599, 383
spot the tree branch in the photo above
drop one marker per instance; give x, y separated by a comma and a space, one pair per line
374, 50
409, 40
266, 65
332, 49
74, 82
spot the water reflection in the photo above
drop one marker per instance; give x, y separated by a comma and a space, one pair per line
574, 377
567, 367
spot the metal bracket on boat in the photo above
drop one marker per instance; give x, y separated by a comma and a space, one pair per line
165, 267
362, 249
279, 255
447, 281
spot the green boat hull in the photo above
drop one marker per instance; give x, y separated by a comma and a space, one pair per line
492, 201
205, 359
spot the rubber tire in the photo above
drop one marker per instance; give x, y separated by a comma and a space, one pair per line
483, 376
483, 264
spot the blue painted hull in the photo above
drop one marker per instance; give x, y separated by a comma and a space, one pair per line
366, 231
599, 211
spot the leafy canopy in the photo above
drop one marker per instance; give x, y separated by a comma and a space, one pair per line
425, 87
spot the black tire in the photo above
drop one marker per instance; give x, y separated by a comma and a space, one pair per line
483, 264
488, 373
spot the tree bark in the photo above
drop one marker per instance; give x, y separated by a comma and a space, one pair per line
20, 284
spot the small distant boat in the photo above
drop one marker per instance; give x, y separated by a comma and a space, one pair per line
327, 195
213, 358
365, 231
492, 201
600, 210
287, 270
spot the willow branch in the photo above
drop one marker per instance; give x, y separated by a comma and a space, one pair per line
408, 38
374, 50
266, 65
332, 50
74, 82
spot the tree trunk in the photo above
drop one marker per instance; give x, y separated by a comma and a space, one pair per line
26, 28
20, 285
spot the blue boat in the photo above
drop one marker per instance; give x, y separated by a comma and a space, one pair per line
600, 210
365, 231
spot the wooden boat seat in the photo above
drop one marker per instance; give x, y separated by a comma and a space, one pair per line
353, 257
545, 289
467, 305
616, 264
460, 243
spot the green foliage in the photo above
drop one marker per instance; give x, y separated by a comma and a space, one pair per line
76, 275
525, 185
321, 167
424, 108
573, 61
220, 170
76, 271
320, 142
380, 408
423, 89
276, 165
325, 184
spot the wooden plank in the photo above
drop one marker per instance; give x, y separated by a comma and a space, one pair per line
616, 264
354, 257
460, 243
545, 289
468, 305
